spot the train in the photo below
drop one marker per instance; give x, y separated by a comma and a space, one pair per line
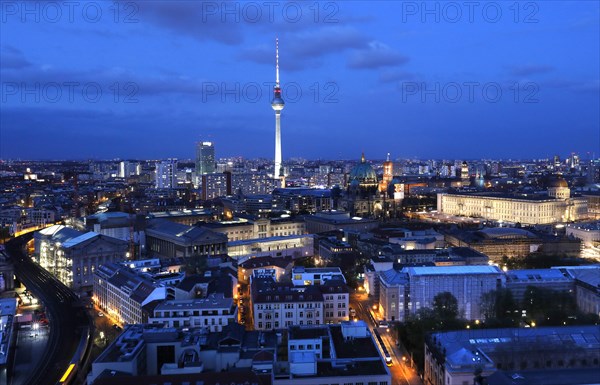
386, 355
76, 362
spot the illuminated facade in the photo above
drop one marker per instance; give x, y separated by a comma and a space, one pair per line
166, 174
205, 158
73, 256
402, 293
122, 293
241, 229
295, 246
529, 210
388, 174
215, 185
252, 183
213, 312
280, 306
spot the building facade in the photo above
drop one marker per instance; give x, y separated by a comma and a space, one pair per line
277, 306
166, 239
205, 158
530, 210
403, 292
213, 312
122, 293
166, 174
73, 256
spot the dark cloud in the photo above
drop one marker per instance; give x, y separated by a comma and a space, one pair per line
327, 41
377, 55
12, 58
106, 79
203, 20
528, 70
305, 49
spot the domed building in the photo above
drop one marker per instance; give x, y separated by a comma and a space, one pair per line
558, 187
362, 198
364, 174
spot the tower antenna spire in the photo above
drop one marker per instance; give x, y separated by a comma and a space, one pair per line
277, 62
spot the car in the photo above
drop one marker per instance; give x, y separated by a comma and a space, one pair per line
100, 314
117, 327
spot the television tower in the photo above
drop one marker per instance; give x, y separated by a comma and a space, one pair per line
277, 104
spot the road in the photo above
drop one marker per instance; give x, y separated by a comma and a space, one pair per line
67, 317
30, 345
402, 374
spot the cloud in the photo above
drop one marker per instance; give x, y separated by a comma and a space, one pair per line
106, 79
200, 20
528, 70
12, 58
377, 55
304, 49
326, 41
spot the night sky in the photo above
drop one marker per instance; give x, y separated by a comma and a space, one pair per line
148, 79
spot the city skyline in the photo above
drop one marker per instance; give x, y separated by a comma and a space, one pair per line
188, 72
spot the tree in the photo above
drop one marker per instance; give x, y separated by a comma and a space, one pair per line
548, 307
4, 234
500, 309
445, 306
443, 316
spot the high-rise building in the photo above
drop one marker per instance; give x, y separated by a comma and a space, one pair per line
277, 104
127, 169
166, 174
205, 158
215, 185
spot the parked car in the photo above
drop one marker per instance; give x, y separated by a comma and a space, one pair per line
100, 314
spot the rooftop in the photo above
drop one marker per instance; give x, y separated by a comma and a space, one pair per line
353, 347
215, 300
183, 233
316, 270
489, 341
536, 275
354, 368
258, 262
452, 270
546, 377
180, 213
80, 239
307, 332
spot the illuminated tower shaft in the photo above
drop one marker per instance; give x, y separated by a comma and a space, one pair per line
278, 170
277, 104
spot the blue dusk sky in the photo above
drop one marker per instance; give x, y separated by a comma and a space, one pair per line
148, 79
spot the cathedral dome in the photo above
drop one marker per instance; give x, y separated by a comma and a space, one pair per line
363, 173
556, 181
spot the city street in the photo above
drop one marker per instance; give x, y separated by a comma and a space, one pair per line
402, 373
29, 349
105, 332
